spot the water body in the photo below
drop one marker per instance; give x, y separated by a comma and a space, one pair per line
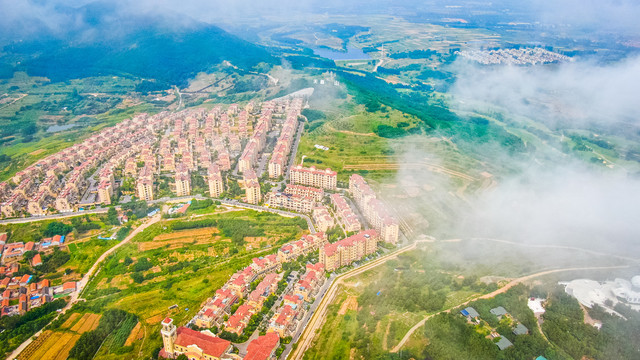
352, 53
57, 128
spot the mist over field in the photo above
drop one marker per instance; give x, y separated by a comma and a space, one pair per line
576, 94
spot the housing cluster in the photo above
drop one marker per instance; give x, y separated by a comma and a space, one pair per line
526, 56
20, 292
147, 156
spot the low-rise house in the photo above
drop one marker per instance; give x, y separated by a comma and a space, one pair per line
263, 347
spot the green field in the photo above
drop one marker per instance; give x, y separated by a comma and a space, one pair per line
163, 266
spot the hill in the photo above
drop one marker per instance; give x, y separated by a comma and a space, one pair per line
170, 50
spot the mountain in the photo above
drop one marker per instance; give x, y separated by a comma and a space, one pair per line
170, 50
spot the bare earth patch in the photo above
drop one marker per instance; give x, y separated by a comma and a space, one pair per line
351, 303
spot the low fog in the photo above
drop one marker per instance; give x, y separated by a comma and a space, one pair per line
568, 205
562, 200
580, 93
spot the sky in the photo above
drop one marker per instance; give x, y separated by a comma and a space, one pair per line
610, 15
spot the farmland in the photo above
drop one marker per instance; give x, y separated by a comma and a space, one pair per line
56, 344
178, 262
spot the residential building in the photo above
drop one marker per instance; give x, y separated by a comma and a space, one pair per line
216, 183
373, 209
325, 179
297, 203
346, 217
263, 347
346, 251
183, 181
196, 345
322, 218
252, 187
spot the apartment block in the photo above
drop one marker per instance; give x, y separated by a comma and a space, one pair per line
373, 209
345, 215
325, 179
346, 251
216, 183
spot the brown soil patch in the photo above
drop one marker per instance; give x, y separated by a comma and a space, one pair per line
178, 239
37, 152
209, 231
135, 334
154, 319
351, 303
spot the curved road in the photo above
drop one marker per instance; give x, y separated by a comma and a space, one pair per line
75, 296
318, 317
503, 289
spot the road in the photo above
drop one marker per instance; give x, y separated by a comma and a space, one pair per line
312, 309
318, 317
503, 289
55, 216
75, 296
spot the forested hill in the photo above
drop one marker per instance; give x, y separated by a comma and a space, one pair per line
168, 50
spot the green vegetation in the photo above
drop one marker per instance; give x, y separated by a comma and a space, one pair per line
148, 275
16, 329
111, 321
390, 299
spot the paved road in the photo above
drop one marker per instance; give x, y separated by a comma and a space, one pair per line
55, 216
312, 309
294, 150
98, 210
75, 296
318, 317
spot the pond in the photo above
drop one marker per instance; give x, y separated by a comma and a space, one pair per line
352, 53
57, 128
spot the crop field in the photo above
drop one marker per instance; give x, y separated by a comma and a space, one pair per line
162, 267
136, 333
51, 345
70, 321
178, 239
88, 322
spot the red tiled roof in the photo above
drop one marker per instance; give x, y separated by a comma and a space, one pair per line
210, 345
262, 347
37, 260
69, 285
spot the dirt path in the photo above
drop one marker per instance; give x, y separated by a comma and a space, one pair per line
503, 289
417, 165
330, 127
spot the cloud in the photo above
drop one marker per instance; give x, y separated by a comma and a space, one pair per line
568, 205
579, 93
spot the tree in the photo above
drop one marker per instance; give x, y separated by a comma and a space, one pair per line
182, 357
137, 277
57, 228
112, 216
